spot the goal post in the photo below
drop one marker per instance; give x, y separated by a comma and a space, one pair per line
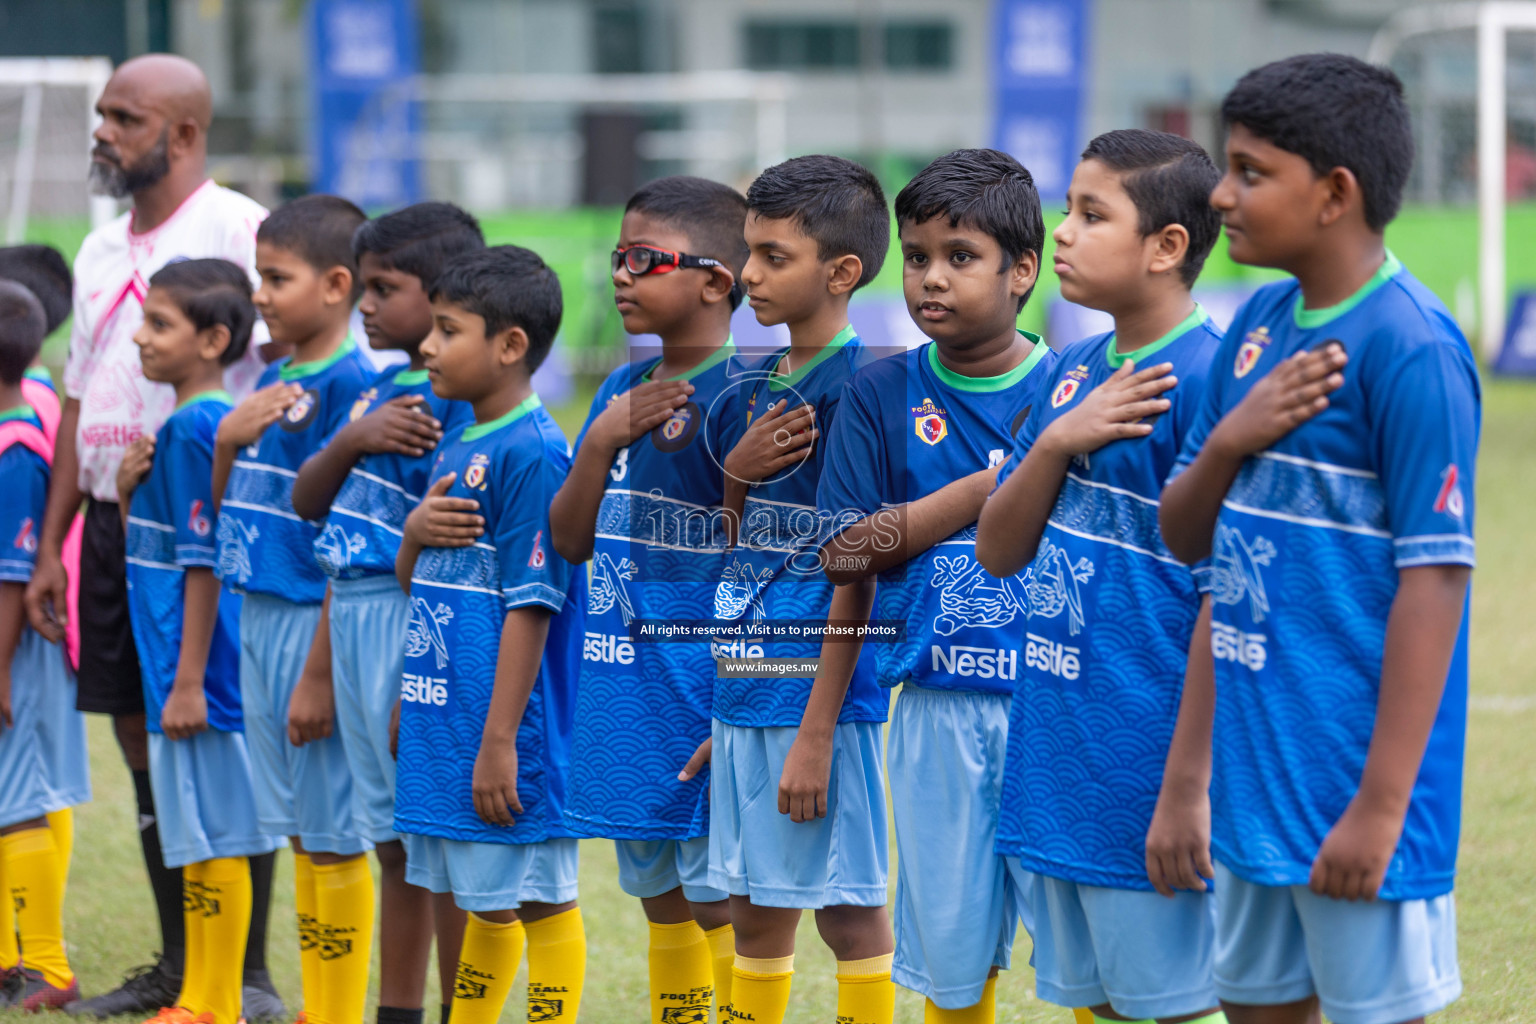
47, 114
1491, 21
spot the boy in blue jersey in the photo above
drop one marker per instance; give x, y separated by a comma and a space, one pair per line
197, 321
266, 552
1329, 478
911, 459
1111, 610
642, 500
817, 229
42, 736
363, 483
492, 651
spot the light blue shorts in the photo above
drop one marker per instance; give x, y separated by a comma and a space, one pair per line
300, 791
755, 851
650, 867
44, 765
493, 876
368, 620
204, 803
956, 906
1144, 954
1376, 962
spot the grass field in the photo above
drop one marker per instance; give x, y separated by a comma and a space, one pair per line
110, 918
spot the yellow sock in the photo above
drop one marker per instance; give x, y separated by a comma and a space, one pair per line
344, 930
984, 1012
760, 989
309, 947
488, 963
557, 966
722, 955
865, 992
194, 970
225, 912
62, 825
32, 869
681, 974
1082, 1015
10, 949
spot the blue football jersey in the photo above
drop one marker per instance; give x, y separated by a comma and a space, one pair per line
1304, 569
170, 530
1107, 634
459, 601
361, 535
264, 547
22, 501
643, 706
774, 574
908, 426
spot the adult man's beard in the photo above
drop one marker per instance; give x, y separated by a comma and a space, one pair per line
117, 181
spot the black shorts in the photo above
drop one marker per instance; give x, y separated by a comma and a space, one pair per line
109, 680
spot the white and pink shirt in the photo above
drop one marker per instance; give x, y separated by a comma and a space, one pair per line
112, 272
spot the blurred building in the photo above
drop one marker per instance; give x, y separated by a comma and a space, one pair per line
892, 82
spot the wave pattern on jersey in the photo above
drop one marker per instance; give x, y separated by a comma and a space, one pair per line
1273, 822
450, 732
1107, 514
257, 513
1348, 498
357, 538
1099, 708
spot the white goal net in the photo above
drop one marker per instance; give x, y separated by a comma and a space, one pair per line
47, 113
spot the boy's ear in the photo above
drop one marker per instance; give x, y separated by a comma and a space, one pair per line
843, 274
511, 345
1168, 248
717, 286
1342, 195
337, 285
212, 342
1022, 275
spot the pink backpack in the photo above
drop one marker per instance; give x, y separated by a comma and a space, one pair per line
45, 403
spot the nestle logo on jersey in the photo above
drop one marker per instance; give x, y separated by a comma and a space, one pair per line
1051, 657
1228, 643
420, 689
976, 662
607, 649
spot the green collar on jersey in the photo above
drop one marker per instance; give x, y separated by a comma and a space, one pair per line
1189, 323
1003, 381
523, 408
725, 351
294, 371
20, 412
216, 395
780, 381
410, 378
1307, 319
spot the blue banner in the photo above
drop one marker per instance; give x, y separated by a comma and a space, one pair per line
1518, 355
1039, 74
364, 132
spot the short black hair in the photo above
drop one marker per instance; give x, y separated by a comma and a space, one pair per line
985, 188
1335, 111
835, 201
23, 326
318, 229
43, 270
211, 292
419, 239
1169, 179
710, 214
506, 286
